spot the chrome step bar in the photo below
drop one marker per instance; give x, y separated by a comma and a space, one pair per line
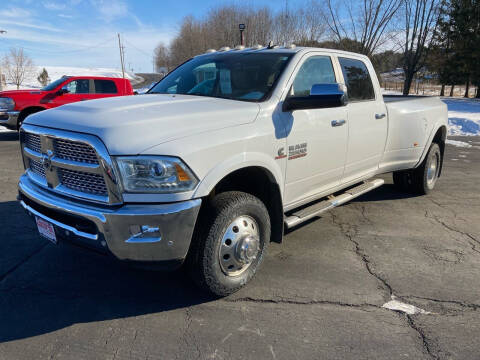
316, 209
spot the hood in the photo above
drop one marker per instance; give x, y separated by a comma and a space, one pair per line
14, 93
132, 124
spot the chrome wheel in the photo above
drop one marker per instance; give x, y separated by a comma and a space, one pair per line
240, 246
432, 169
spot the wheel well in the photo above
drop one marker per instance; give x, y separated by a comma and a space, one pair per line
440, 138
28, 111
260, 183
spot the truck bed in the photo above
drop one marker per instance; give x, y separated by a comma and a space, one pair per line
411, 121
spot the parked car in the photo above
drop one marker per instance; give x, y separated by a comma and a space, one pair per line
222, 155
16, 105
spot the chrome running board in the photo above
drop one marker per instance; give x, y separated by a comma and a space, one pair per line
318, 208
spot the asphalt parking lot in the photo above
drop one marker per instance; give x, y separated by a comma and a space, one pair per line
319, 294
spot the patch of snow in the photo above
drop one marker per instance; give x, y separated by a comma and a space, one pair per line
56, 72
396, 305
4, 129
457, 143
463, 116
391, 92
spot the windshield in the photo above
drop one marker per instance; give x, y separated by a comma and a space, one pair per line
237, 76
54, 84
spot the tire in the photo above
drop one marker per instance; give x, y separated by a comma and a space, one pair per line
421, 180
23, 116
230, 243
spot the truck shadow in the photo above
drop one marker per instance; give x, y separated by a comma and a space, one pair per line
8, 136
385, 192
44, 288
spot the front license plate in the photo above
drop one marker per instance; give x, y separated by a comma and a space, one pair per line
46, 230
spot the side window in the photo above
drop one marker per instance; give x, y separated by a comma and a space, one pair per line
105, 87
357, 78
78, 86
315, 70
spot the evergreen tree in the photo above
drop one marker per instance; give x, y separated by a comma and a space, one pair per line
43, 77
464, 18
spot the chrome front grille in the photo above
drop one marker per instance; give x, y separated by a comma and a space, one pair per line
74, 151
32, 141
72, 164
37, 167
83, 182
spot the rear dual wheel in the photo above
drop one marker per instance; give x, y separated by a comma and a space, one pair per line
421, 180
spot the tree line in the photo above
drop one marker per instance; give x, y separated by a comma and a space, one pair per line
440, 37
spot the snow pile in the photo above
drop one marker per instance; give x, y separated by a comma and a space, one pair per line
396, 305
56, 72
456, 143
463, 116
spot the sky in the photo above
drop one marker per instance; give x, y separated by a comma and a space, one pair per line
84, 32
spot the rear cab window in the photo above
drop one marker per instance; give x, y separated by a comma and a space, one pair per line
105, 87
357, 79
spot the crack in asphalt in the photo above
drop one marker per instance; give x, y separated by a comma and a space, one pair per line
451, 228
440, 301
363, 306
422, 335
350, 232
14, 268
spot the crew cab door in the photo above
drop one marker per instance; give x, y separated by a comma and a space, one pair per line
105, 88
367, 119
317, 140
77, 90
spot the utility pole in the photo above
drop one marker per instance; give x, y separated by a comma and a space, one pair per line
120, 47
1, 77
241, 27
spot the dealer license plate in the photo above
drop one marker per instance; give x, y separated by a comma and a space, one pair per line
46, 230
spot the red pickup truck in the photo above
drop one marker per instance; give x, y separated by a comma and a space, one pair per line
16, 105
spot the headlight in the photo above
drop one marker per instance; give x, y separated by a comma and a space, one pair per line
155, 174
7, 103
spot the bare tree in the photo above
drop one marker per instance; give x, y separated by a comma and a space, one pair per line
421, 18
162, 58
17, 66
301, 25
367, 22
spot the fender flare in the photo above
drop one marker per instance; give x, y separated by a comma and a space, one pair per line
429, 141
237, 162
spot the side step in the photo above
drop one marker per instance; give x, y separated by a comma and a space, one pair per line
316, 209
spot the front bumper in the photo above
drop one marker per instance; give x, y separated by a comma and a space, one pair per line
144, 233
9, 119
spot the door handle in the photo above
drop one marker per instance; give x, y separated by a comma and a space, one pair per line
338, 122
380, 116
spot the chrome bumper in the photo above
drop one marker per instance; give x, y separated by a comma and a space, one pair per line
147, 233
9, 119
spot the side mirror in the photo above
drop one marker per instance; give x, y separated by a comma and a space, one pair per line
63, 91
321, 96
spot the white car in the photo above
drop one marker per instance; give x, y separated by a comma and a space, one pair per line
222, 155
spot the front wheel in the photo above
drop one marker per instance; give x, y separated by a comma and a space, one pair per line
230, 243
421, 180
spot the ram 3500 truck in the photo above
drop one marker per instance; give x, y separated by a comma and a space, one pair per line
222, 155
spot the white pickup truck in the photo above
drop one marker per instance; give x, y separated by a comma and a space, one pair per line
222, 155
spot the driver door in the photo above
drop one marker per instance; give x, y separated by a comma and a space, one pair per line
317, 142
78, 90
